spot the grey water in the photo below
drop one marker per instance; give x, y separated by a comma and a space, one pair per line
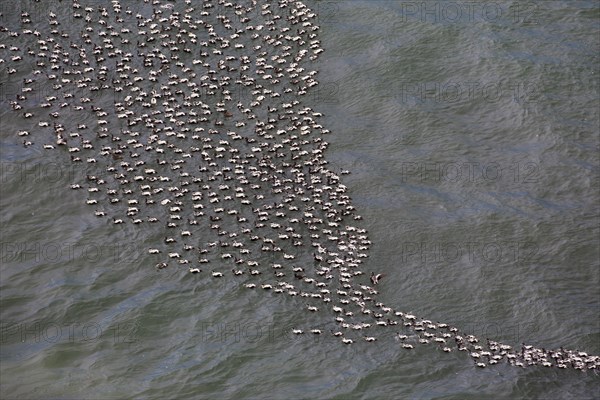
472, 135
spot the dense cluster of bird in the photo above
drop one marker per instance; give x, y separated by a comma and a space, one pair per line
195, 117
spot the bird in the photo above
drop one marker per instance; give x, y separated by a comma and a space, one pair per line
375, 278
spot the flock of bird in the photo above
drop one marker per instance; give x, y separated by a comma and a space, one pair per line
195, 117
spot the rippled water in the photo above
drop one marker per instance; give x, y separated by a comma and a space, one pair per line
473, 145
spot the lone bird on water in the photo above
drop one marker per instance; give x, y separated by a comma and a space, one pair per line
375, 278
